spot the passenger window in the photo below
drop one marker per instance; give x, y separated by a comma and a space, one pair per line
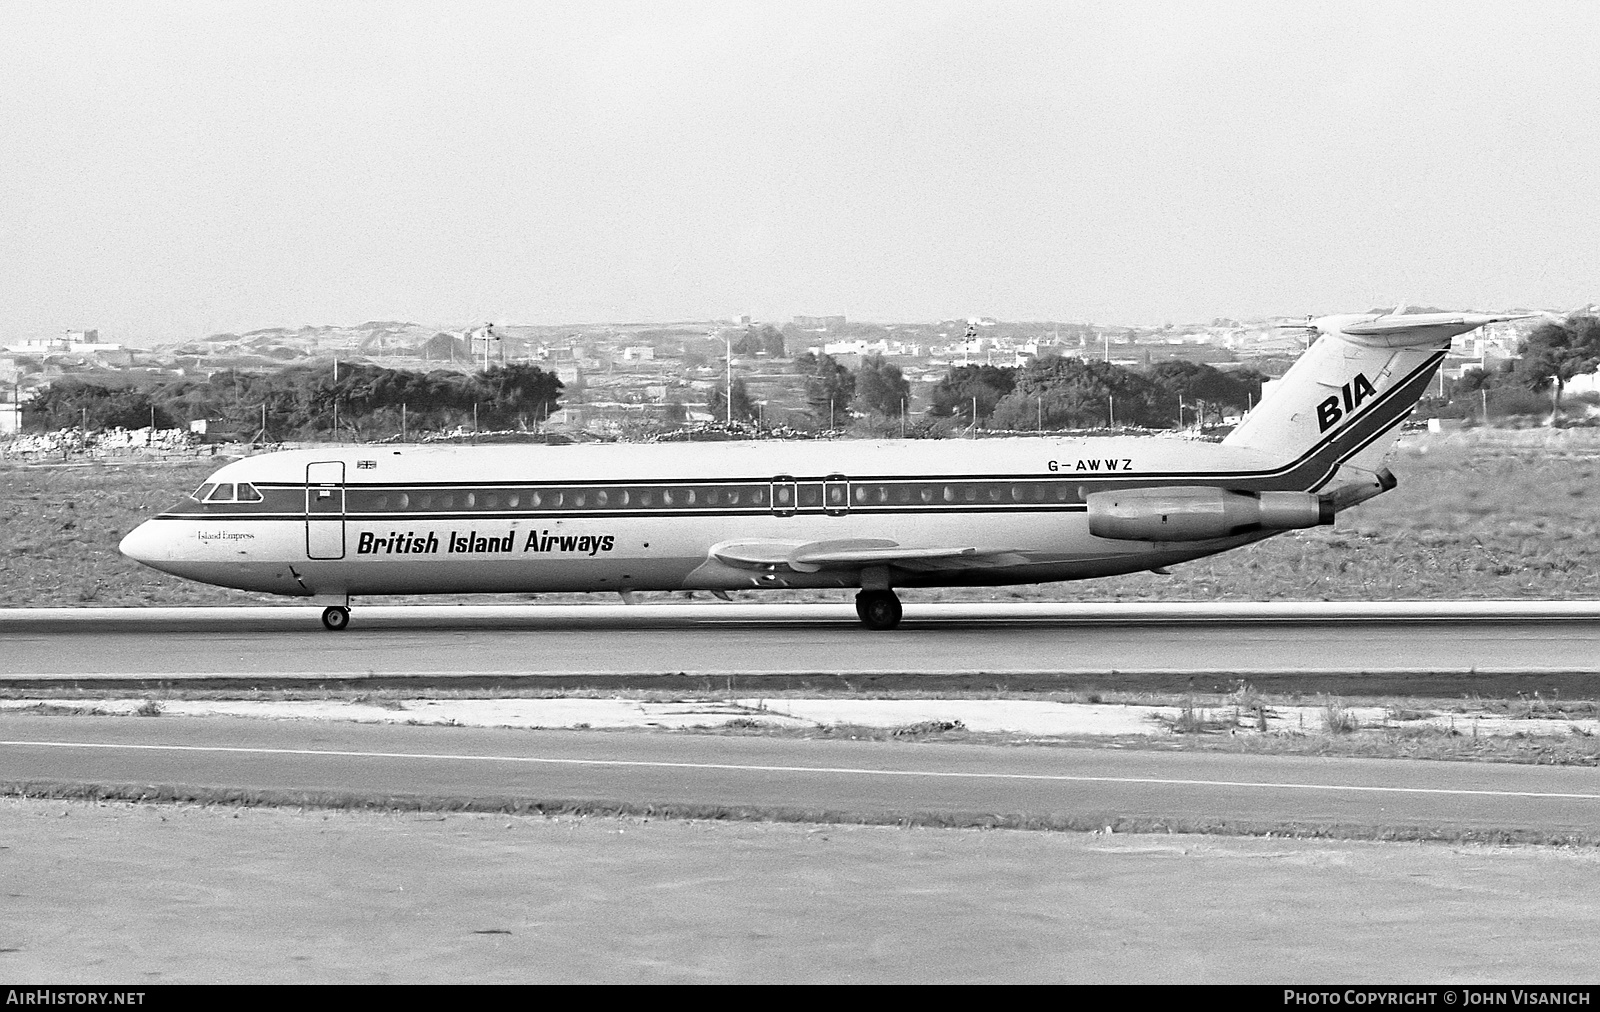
732, 497
602, 498
248, 493
222, 493
405, 501
758, 497
647, 498
579, 498
203, 491
472, 500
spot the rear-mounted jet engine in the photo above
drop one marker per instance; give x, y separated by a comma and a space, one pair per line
1199, 514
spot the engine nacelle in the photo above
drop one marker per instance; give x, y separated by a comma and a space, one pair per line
1199, 513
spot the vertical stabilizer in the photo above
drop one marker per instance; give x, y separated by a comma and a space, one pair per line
1343, 401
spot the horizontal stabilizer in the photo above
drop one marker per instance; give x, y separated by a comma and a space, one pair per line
1424, 326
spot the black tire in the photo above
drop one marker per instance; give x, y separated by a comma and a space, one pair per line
878, 609
335, 619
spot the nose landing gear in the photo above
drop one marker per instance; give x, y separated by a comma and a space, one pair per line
878, 609
335, 619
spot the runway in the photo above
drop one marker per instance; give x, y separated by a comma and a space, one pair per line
1444, 646
286, 762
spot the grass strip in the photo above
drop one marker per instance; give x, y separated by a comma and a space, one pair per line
1086, 822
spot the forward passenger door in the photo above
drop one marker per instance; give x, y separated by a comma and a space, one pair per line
325, 509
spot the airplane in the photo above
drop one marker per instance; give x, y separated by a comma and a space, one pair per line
333, 523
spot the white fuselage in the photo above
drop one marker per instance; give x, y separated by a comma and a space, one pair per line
364, 520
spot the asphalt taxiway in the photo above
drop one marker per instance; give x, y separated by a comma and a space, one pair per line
1443, 642
289, 762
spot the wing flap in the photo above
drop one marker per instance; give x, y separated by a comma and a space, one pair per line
811, 556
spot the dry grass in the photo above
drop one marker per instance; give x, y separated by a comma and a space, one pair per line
1478, 516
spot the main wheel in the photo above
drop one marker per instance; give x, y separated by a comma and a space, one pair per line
878, 609
336, 618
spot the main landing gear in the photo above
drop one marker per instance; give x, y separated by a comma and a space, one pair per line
878, 609
335, 619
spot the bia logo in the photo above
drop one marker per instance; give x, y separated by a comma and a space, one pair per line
1355, 391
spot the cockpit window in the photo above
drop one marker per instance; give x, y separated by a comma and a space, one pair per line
248, 493
203, 491
222, 493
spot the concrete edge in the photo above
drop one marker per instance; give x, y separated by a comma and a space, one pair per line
535, 615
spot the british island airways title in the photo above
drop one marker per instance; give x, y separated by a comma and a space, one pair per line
473, 543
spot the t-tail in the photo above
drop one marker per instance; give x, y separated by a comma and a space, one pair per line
1336, 414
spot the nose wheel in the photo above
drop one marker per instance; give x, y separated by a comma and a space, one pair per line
878, 609
335, 619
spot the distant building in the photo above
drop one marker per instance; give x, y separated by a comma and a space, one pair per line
819, 322
72, 342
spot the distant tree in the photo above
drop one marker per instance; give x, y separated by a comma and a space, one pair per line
767, 341
1205, 388
1079, 393
955, 393
66, 405
1556, 352
1471, 381
830, 387
519, 393
744, 409
880, 388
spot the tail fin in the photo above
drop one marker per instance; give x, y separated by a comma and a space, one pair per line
1343, 401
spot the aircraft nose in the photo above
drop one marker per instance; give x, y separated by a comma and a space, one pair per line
142, 544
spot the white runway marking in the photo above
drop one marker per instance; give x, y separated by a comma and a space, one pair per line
844, 770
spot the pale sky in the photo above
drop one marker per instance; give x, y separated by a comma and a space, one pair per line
169, 170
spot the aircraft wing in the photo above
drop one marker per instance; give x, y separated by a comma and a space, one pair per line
811, 556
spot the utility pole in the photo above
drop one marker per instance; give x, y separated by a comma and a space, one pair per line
974, 416
336, 398
902, 418
1111, 409
728, 337
402, 421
